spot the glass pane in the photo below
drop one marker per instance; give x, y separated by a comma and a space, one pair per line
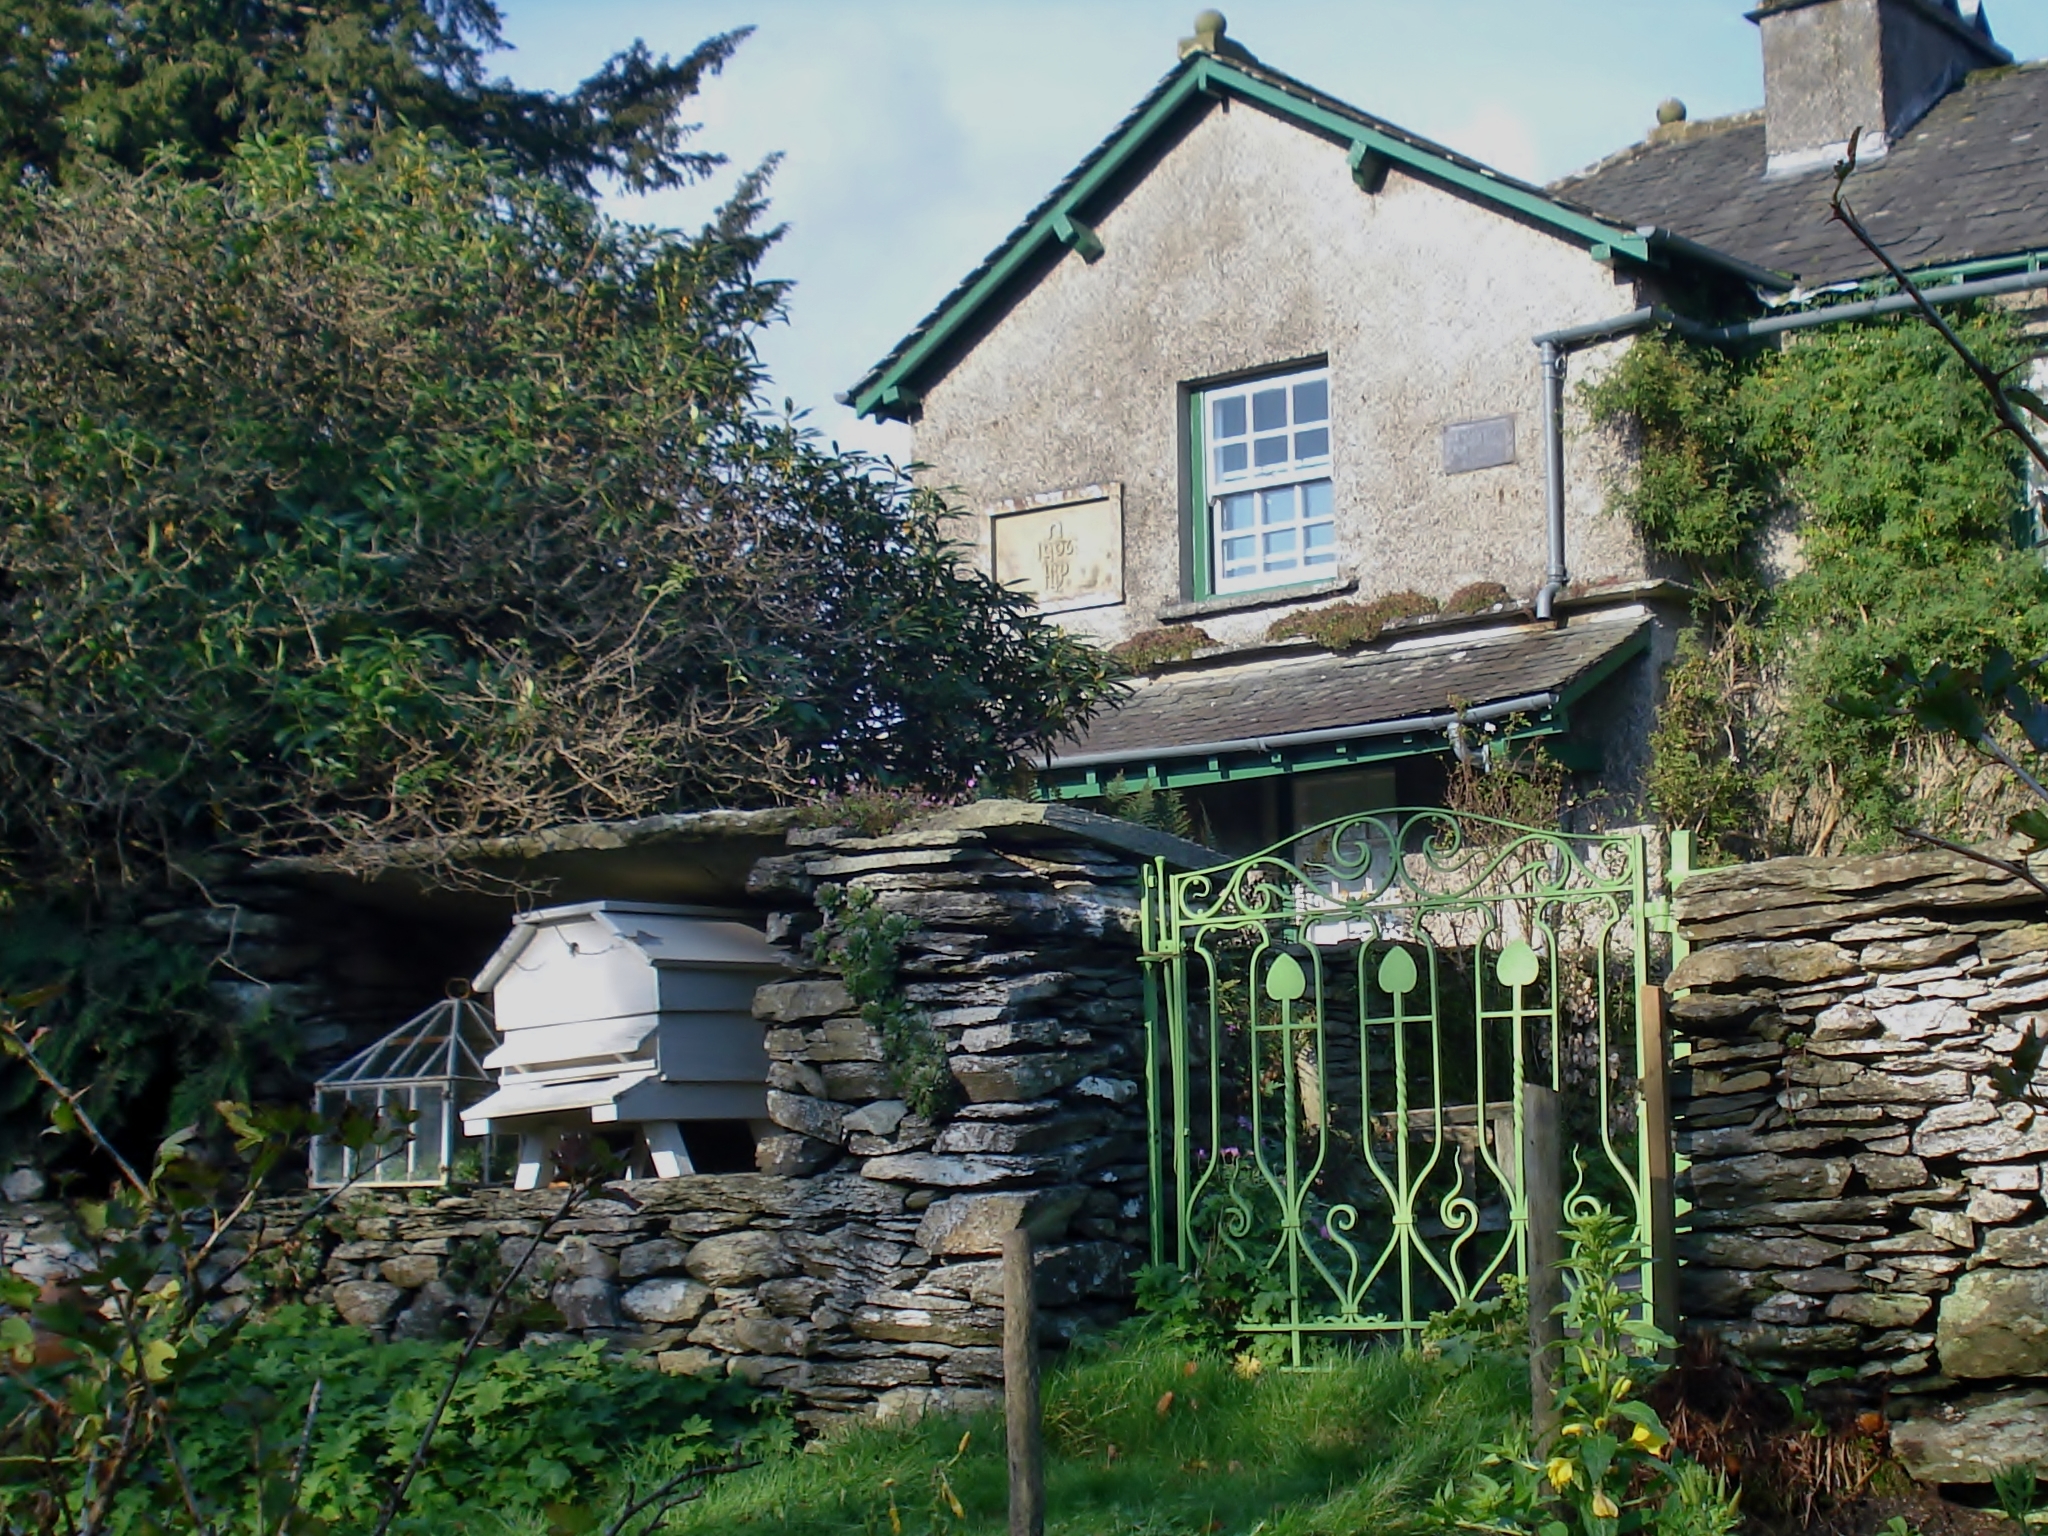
1235, 512
1313, 444
1269, 450
1279, 506
1226, 416
1230, 460
1269, 410
1316, 500
1312, 401
1319, 536
1280, 543
426, 1133
1240, 557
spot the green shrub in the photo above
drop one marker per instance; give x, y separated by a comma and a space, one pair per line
529, 1432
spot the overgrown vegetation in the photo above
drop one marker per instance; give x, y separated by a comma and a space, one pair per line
1150, 649
1477, 597
1347, 626
1877, 444
864, 943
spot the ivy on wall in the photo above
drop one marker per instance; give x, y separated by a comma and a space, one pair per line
1839, 501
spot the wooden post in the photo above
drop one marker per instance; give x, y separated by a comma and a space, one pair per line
1020, 1387
1543, 1179
1658, 1160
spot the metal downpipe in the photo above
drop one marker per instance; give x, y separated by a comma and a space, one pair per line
1555, 363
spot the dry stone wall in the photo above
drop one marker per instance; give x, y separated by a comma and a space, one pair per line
857, 1269
1863, 1195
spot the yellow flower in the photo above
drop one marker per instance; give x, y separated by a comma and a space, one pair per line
1560, 1472
1603, 1506
1247, 1365
1648, 1439
1574, 1429
1621, 1388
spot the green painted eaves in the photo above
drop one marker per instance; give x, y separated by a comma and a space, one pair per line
892, 387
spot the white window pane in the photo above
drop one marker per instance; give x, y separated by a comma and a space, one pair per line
1313, 444
1312, 401
1226, 416
1319, 536
1278, 506
1234, 512
1230, 460
1268, 451
1269, 410
1316, 500
1280, 543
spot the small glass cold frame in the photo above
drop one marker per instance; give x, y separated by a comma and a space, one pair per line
429, 1070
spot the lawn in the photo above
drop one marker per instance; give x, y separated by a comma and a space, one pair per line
1143, 1440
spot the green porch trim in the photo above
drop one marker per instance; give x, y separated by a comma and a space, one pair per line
1192, 772
889, 390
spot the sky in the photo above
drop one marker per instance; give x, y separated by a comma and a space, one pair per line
915, 134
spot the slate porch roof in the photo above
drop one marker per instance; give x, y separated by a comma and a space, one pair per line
1244, 705
1964, 184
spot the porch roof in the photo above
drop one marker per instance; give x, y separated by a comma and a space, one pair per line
1289, 713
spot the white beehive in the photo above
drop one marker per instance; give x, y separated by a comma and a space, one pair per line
624, 1013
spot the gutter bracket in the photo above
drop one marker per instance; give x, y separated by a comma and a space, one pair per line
1078, 237
1368, 168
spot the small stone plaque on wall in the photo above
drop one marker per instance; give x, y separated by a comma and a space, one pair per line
1066, 549
1485, 444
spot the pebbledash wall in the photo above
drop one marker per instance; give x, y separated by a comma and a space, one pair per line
857, 1269
1862, 1195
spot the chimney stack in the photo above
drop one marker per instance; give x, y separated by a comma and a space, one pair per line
1833, 66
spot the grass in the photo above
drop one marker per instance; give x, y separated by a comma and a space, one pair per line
1143, 1441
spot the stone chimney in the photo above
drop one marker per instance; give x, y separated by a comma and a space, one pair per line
1833, 66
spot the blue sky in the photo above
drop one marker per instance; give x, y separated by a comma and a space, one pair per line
915, 133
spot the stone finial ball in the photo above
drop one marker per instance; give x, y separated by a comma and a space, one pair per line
1670, 111
1210, 21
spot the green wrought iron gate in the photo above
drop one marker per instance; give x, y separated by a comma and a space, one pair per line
1339, 1028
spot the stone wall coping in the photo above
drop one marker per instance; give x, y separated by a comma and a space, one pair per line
1051, 821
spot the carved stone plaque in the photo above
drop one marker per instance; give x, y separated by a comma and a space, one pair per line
1487, 444
1066, 550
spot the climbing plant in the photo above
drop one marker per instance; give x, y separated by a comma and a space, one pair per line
1842, 504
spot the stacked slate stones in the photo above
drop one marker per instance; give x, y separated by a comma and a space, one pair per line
1863, 1194
858, 1269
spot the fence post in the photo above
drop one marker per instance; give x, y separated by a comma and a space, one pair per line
1658, 1159
1543, 1183
1020, 1386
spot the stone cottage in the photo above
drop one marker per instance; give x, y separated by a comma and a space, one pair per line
1262, 352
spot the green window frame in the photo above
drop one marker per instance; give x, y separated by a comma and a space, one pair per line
1263, 512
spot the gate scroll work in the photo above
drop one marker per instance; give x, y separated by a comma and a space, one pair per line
1339, 1028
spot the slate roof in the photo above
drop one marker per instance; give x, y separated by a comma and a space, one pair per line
1272, 696
1967, 182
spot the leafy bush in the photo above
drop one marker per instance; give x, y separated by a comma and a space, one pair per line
528, 1432
1346, 626
1879, 446
360, 501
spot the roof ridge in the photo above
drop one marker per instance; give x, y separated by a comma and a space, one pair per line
1681, 133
